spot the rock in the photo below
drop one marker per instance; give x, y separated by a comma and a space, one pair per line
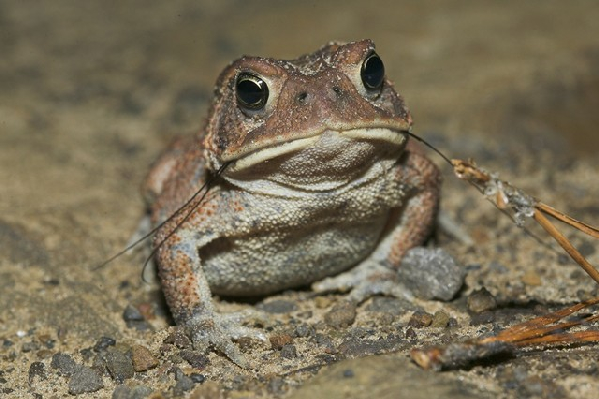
431, 273
178, 338
440, 319
119, 365
279, 340
104, 343
342, 314
420, 319
183, 382
142, 358
288, 351
196, 359
85, 380
197, 378
64, 364
481, 300
136, 392
37, 369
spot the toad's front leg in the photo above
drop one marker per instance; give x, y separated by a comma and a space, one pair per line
408, 226
186, 288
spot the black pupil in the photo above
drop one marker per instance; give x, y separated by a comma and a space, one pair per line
373, 72
251, 91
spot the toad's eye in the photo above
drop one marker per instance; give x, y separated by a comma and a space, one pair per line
373, 72
251, 91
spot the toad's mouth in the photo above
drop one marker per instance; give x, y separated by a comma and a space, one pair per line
395, 138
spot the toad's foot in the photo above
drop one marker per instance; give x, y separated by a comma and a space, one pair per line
217, 330
365, 280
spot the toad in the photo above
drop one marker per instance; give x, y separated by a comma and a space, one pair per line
311, 176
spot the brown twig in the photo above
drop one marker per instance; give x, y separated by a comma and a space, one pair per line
540, 330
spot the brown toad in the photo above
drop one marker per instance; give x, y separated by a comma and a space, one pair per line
316, 178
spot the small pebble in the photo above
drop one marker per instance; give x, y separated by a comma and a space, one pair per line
420, 319
136, 392
303, 330
431, 273
179, 339
104, 343
183, 382
481, 300
37, 369
64, 364
279, 340
440, 319
85, 380
342, 315
288, 351
119, 365
348, 373
142, 358
196, 359
197, 378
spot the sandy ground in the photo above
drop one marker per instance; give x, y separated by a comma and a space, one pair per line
90, 93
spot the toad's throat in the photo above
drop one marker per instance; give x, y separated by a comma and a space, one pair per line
392, 137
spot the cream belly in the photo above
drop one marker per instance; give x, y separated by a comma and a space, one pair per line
267, 264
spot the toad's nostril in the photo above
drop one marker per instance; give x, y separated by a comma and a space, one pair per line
302, 97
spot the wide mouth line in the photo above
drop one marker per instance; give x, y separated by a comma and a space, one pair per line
391, 135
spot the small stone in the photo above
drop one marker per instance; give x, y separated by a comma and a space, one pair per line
278, 306
342, 315
420, 319
288, 351
280, 340
196, 359
197, 378
104, 343
85, 380
119, 365
303, 330
136, 392
348, 373
183, 382
142, 358
481, 300
179, 339
431, 273
440, 319
325, 343
64, 364
37, 369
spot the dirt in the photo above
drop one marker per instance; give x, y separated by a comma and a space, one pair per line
90, 93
